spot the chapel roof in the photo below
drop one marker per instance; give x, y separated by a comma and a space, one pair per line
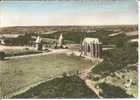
91, 40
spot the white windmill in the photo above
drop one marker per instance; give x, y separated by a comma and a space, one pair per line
60, 40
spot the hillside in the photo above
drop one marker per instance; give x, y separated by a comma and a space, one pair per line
42, 29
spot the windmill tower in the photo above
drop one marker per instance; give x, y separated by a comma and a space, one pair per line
38, 43
84, 35
60, 41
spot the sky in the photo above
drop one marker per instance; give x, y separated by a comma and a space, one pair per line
68, 12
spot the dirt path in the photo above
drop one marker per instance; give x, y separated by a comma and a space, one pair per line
93, 85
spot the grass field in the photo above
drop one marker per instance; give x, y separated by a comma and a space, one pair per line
20, 73
18, 52
65, 87
71, 87
115, 68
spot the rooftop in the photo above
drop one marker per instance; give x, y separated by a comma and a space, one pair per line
91, 40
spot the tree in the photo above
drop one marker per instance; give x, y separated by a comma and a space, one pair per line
2, 55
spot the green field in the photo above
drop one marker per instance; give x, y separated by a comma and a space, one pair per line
121, 59
116, 60
22, 72
18, 52
65, 87
116, 63
71, 87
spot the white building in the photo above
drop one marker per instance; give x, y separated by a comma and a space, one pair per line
38, 43
60, 41
91, 47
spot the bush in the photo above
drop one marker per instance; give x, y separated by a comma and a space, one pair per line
2, 55
110, 91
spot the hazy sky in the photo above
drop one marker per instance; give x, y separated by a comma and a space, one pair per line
68, 12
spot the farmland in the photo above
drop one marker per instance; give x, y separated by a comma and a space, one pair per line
68, 87
17, 50
120, 64
20, 73
71, 87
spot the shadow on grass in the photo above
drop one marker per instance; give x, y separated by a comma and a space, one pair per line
71, 87
66, 87
110, 91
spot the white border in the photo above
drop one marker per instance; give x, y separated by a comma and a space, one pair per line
138, 70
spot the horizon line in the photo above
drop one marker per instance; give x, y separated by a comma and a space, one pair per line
68, 25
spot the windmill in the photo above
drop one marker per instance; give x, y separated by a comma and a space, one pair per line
84, 34
60, 41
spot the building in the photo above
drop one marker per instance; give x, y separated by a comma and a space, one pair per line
38, 43
91, 47
60, 43
2, 41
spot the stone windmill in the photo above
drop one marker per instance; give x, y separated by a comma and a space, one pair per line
38, 43
60, 41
